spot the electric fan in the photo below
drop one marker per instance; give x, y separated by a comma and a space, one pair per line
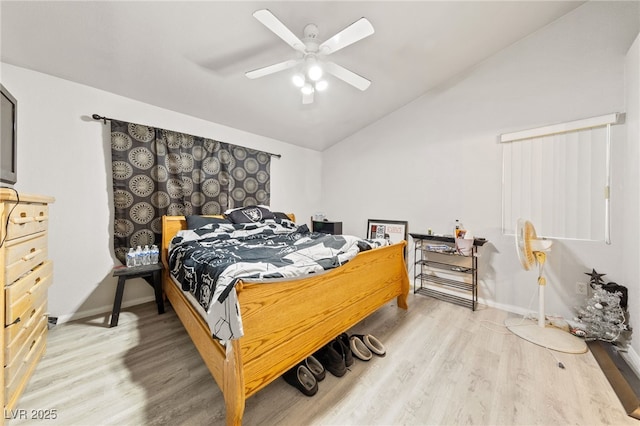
532, 250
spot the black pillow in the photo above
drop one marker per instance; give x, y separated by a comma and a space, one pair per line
281, 215
250, 214
195, 222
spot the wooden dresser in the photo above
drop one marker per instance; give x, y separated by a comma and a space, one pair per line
26, 275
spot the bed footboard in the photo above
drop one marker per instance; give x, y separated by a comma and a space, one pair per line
288, 321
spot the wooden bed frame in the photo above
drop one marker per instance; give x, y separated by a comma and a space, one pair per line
284, 322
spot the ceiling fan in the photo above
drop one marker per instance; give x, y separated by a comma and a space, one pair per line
312, 63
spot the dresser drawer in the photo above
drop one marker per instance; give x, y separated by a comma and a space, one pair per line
26, 273
24, 254
26, 219
24, 294
16, 335
14, 387
21, 353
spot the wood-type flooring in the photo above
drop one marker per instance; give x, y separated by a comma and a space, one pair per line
445, 365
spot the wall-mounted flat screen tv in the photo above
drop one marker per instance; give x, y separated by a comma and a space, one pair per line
8, 137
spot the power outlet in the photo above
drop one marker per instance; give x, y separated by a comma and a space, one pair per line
582, 288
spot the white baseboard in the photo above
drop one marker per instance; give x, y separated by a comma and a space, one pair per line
509, 308
106, 309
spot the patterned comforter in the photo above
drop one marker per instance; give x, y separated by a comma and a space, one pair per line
210, 260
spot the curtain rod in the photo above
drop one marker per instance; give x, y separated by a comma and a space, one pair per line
104, 120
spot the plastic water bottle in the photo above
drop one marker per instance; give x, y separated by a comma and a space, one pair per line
146, 255
155, 254
131, 258
138, 258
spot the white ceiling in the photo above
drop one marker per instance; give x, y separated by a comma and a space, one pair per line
191, 57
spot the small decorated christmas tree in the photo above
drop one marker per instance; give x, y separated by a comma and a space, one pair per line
603, 317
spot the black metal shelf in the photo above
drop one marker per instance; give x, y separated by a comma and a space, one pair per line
445, 238
445, 281
469, 303
432, 263
448, 267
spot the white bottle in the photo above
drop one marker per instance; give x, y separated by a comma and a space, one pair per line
155, 253
138, 257
146, 255
131, 258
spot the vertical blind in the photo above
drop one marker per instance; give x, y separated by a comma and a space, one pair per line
558, 178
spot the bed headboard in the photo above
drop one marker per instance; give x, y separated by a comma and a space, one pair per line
172, 224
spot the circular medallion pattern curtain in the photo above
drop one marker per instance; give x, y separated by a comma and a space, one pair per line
160, 172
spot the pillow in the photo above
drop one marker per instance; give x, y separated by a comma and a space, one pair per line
281, 215
195, 222
228, 211
249, 214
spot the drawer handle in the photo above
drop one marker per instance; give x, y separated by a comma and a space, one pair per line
33, 253
31, 290
35, 287
32, 345
21, 220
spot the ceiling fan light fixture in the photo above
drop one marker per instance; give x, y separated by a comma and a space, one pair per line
314, 72
322, 85
307, 89
298, 79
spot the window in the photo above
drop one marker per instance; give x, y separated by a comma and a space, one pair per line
558, 178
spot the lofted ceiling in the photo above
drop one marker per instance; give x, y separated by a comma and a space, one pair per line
191, 57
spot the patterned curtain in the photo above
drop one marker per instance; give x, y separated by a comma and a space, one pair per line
159, 172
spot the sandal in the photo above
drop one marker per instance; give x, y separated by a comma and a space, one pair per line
372, 343
315, 367
302, 379
359, 349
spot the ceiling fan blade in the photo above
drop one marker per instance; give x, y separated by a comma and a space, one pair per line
355, 32
270, 21
261, 72
347, 76
307, 98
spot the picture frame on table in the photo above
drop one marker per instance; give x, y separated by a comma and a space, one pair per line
392, 230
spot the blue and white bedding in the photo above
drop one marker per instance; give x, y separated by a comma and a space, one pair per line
210, 260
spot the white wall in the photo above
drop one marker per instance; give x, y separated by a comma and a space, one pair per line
65, 154
437, 159
631, 254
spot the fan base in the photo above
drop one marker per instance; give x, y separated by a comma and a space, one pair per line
547, 337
